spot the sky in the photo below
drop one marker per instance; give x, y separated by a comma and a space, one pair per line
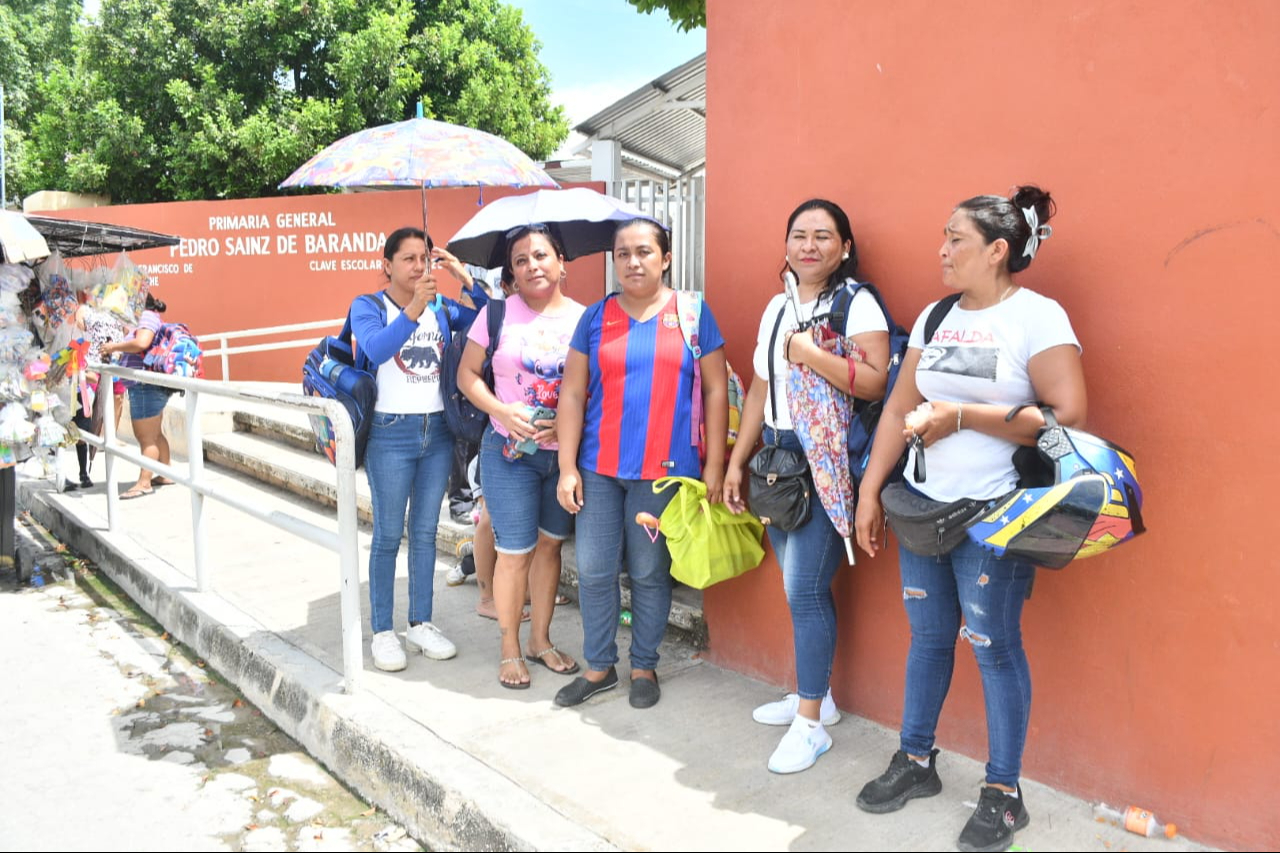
599, 50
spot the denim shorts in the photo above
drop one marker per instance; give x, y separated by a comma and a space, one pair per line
521, 496
147, 401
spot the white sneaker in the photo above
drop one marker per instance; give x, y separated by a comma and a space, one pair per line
783, 712
800, 747
388, 656
455, 577
430, 641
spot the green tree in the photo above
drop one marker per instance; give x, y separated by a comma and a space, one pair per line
32, 34
190, 99
685, 14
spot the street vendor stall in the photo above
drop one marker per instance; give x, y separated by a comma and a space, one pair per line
42, 356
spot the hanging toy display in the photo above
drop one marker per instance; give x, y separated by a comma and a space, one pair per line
50, 433
58, 303
123, 293
74, 357
14, 278
14, 426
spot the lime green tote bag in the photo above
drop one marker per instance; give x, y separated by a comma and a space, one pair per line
708, 544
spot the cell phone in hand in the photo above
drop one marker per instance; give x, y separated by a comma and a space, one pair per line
539, 413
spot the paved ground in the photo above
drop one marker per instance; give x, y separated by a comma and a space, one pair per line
687, 775
114, 738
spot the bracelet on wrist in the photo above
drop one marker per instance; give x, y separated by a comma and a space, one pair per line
959, 415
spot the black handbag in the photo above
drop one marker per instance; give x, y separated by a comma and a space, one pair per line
781, 490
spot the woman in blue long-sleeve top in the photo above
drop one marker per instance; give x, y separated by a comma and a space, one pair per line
401, 333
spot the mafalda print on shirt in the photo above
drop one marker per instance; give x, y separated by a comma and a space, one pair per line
970, 352
419, 358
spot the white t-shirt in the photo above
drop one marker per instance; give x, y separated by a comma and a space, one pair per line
409, 381
981, 357
864, 316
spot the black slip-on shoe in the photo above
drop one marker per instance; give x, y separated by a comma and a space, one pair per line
581, 688
645, 692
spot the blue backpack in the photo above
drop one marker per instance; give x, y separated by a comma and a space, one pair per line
335, 371
465, 419
862, 428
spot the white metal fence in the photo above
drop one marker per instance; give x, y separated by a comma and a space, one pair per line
342, 541
681, 206
224, 352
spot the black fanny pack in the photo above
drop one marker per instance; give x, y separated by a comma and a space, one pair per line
925, 526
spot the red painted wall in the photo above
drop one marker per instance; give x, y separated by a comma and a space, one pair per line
275, 261
1157, 667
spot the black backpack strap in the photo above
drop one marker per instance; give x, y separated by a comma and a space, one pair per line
773, 340
840, 304
494, 316
843, 303
938, 314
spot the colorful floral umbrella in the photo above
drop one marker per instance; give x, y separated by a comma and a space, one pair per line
421, 153
820, 415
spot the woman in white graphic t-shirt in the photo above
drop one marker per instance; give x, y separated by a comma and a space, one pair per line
998, 347
401, 332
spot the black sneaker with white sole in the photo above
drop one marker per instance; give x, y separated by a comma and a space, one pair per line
993, 822
904, 780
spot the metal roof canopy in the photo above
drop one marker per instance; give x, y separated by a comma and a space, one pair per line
662, 126
75, 238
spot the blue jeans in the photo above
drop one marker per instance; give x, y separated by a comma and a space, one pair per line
608, 536
521, 496
407, 462
809, 557
989, 593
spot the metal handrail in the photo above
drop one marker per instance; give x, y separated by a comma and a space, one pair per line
343, 541
223, 351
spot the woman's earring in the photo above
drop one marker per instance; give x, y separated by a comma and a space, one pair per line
846, 256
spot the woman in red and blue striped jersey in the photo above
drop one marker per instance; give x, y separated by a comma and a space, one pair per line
625, 420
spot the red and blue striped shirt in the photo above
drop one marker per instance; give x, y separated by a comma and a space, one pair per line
639, 391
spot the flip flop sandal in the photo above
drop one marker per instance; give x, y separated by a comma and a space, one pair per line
524, 615
161, 481
561, 658
512, 685
561, 598
134, 494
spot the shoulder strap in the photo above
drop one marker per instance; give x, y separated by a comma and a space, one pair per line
374, 299
938, 314
773, 341
495, 315
841, 303
844, 300
689, 309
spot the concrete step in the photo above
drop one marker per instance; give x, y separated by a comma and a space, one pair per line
283, 425
276, 447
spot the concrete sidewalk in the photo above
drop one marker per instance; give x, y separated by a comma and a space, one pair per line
467, 764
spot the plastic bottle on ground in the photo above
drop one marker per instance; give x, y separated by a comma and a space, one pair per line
624, 618
1137, 820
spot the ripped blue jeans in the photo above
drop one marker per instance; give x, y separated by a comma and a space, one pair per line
988, 593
